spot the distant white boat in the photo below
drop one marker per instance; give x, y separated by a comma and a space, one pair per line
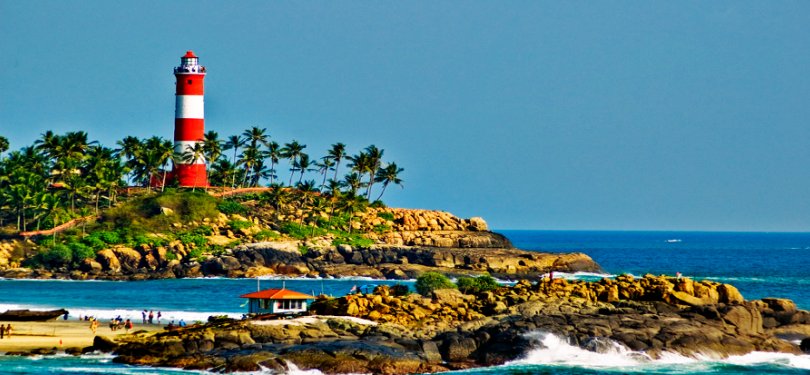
674, 240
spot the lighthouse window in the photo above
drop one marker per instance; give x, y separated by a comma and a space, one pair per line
189, 82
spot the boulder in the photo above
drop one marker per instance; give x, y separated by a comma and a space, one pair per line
108, 260
130, 259
746, 318
104, 344
805, 345
729, 294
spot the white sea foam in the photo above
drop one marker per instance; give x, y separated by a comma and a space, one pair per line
579, 275
135, 315
555, 351
292, 369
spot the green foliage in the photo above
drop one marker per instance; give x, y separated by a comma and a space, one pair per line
470, 285
190, 238
57, 255
354, 240
377, 204
81, 251
109, 237
190, 206
386, 216
237, 225
203, 230
430, 281
266, 234
300, 231
230, 207
381, 228
170, 256
303, 249
94, 241
196, 253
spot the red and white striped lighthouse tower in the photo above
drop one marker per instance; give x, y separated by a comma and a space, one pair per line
189, 121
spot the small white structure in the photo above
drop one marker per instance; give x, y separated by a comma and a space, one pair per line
277, 301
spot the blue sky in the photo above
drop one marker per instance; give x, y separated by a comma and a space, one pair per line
532, 114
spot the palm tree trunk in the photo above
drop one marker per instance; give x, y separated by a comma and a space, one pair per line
383, 191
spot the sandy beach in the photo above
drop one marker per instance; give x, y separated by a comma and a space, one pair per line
60, 334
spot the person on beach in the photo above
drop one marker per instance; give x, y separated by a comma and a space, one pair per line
151, 316
143, 314
182, 323
94, 326
158, 317
8, 331
2, 331
128, 325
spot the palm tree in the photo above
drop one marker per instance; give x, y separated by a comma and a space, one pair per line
212, 146
221, 171
3, 144
352, 204
292, 151
337, 153
273, 153
256, 136
325, 165
359, 164
388, 175
353, 182
163, 151
194, 155
249, 159
234, 142
303, 165
374, 163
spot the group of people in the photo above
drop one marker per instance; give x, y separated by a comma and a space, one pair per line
118, 322
150, 317
5, 331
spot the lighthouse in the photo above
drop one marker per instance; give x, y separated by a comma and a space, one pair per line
189, 122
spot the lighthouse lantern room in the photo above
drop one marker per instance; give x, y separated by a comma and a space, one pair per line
189, 122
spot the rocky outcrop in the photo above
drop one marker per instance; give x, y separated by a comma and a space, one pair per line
319, 259
450, 330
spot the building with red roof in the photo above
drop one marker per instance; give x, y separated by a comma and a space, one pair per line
277, 301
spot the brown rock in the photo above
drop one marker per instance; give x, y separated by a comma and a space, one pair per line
729, 294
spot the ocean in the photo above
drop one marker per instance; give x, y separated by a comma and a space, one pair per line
758, 264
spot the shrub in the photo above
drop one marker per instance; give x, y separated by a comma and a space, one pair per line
353, 240
386, 216
203, 230
470, 285
300, 231
189, 238
195, 254
57, 255
381, 228
170, 255
229, 207
430, 281
237, 225
94, 242
81, 251
109, 237
266, 234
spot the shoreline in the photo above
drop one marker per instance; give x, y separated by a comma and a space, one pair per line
61, 334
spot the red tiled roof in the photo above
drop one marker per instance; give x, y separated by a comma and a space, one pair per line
277, 294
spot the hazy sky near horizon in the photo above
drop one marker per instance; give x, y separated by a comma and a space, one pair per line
532, 114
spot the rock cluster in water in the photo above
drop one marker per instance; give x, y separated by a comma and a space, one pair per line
451, 330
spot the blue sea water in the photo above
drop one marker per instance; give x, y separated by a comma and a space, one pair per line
759, 264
